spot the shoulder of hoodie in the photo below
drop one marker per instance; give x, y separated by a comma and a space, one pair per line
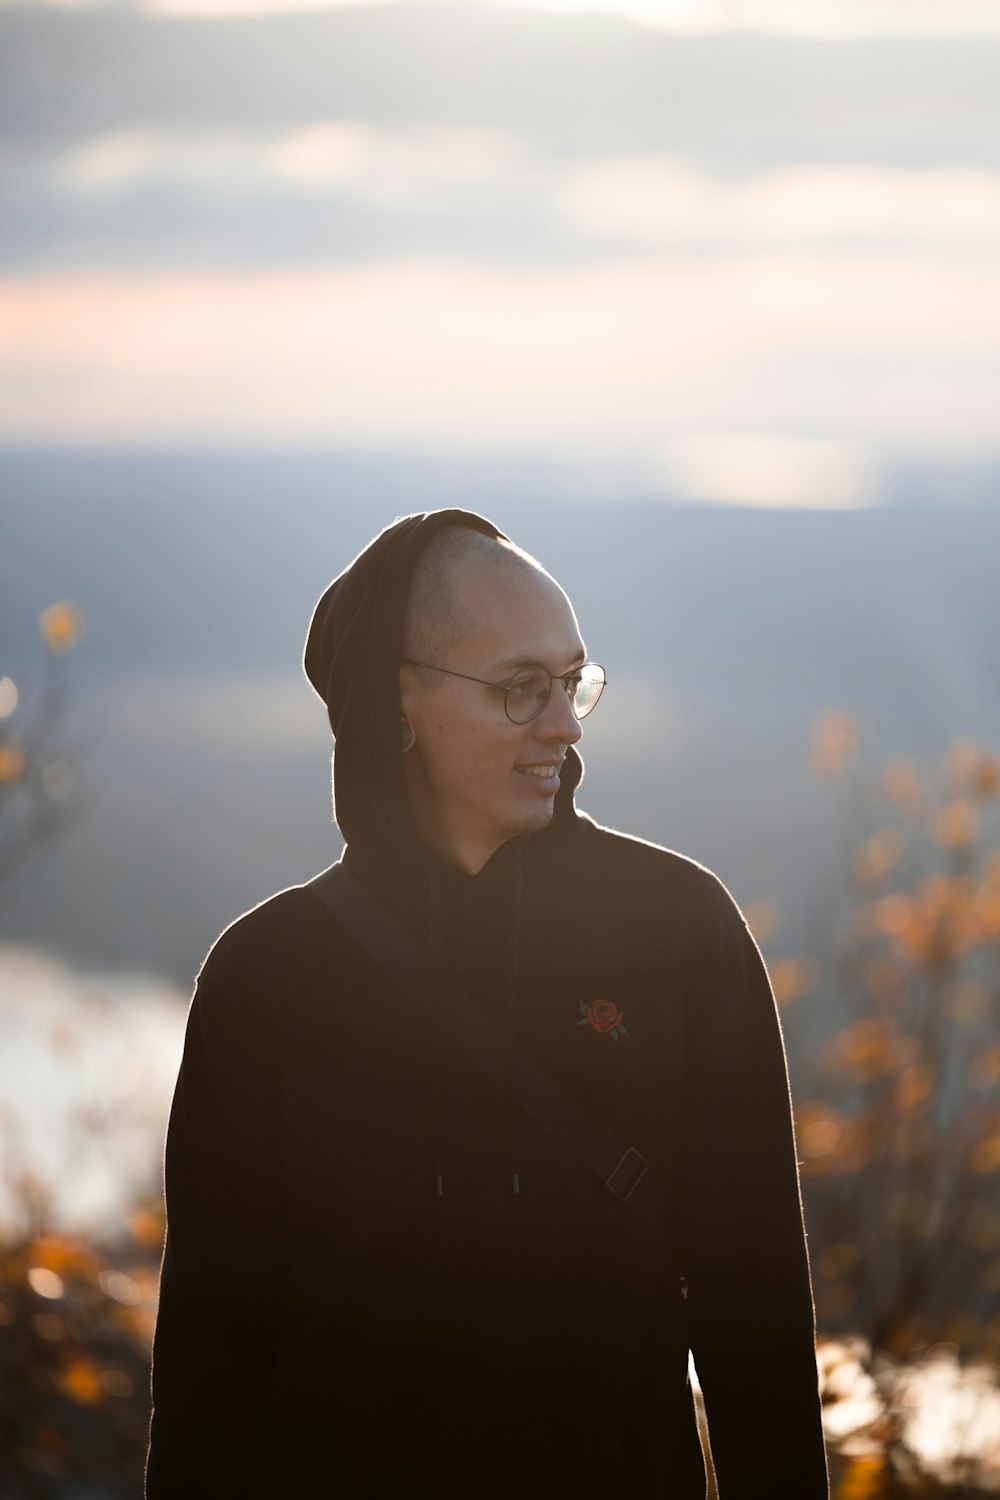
634, 869
265, 944
255, 972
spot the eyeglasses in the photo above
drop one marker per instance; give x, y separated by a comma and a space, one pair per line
527, 692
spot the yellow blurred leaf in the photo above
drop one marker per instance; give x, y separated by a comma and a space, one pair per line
914, 1086
864, 1479
931, 926
792, 977
973, 767
891, 914
818, 1132
81, 1379
904, 786
11, 763
955, 824
830, 1143
835, 738
146, 1226
877, 855
986, 779
763, 918
66, 1254
868, 1049
986, 1158
61, 625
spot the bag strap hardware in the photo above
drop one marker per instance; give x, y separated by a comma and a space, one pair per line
632, 1174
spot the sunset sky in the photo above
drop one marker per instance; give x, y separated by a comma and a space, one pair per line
743, 250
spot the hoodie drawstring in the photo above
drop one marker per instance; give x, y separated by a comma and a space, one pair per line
436, 1064
513, 965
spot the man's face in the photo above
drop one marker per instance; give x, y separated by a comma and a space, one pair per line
474, 778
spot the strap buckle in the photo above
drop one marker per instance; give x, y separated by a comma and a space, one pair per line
631, 1167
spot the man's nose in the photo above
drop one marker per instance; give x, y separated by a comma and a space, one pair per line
557, 719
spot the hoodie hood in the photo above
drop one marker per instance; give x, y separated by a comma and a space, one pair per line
352, 656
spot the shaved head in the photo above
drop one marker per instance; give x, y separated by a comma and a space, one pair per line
436, 616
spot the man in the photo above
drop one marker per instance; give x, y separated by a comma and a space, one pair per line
385, 1277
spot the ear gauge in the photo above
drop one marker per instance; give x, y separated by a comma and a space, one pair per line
408, 737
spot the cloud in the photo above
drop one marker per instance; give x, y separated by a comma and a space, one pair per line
392, 166
237, 8
341, 191
667, 201
813, 18
586, 85
875, 349
640, 201
331, 152
119, 161
758, 469
346, 227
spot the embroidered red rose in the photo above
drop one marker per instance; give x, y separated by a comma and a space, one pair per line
603, 1016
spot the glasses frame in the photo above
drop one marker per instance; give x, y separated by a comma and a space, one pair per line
505, 687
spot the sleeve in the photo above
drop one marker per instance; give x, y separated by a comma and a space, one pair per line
222, 1277
750, 1303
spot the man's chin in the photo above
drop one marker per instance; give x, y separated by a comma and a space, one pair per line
540, 817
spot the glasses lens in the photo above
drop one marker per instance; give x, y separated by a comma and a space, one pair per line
589, 687
527, 695
528, 692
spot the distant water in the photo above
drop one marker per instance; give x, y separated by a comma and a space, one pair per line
87, 1068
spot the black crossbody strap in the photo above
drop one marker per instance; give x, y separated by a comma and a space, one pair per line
621, 1168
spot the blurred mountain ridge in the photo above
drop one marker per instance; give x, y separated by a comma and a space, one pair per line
724, 631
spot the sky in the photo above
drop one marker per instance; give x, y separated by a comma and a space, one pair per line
738, 250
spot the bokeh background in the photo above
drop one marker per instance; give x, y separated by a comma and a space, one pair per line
697, 299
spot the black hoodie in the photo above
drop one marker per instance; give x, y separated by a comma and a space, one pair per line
381, 1276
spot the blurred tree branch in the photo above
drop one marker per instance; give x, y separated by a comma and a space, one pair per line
37, 777
900, 1141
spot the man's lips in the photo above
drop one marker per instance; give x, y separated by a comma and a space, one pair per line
545, 773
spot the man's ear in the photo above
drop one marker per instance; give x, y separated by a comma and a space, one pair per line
407, 690
407, 700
